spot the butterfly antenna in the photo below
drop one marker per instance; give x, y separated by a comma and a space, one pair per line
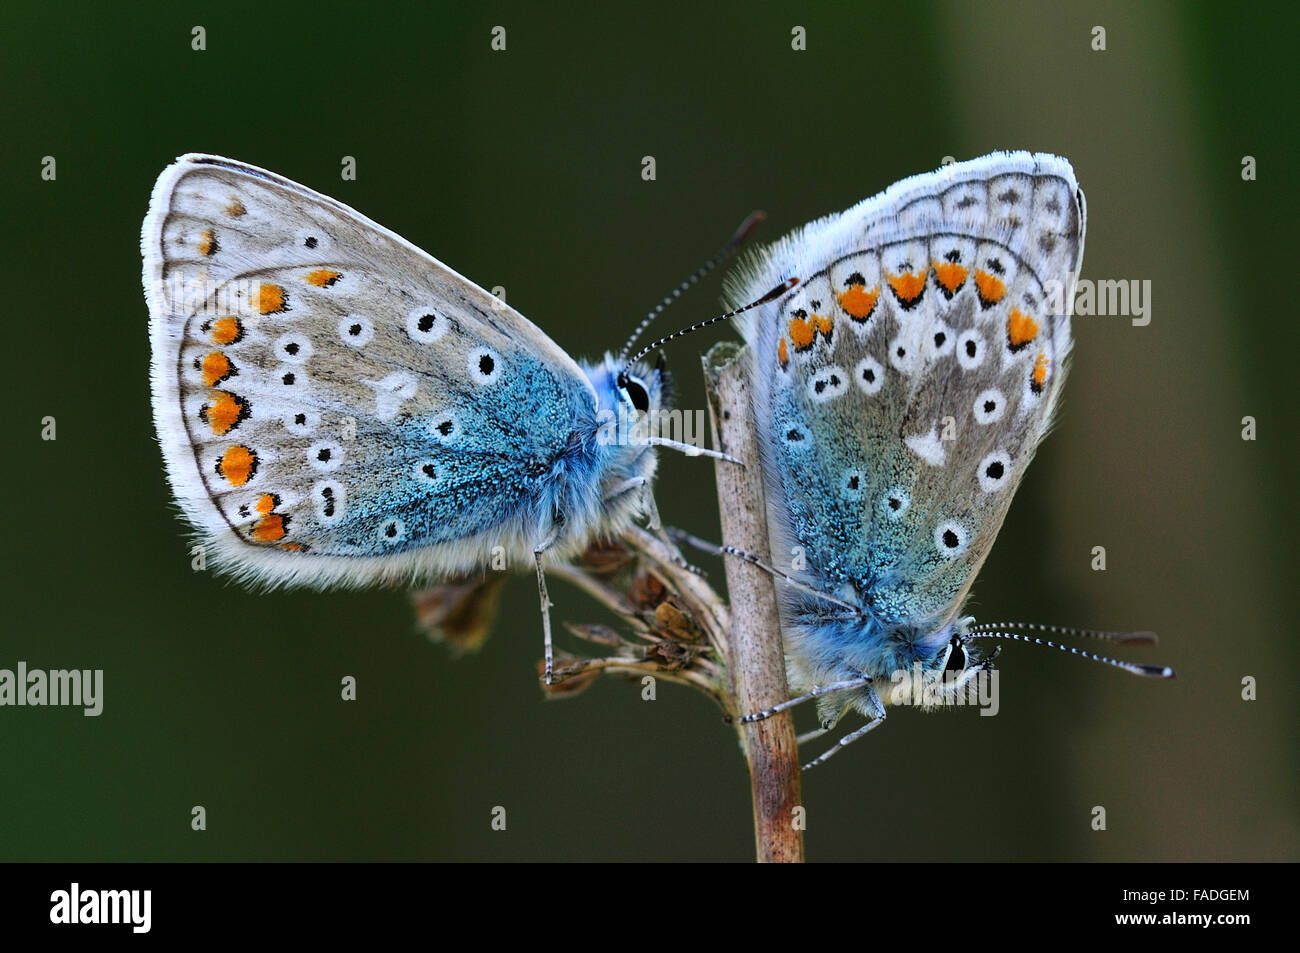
1151, 671
1129, 638
772, 295
737, 239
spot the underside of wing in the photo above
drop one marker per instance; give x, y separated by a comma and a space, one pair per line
903, 387
333, 404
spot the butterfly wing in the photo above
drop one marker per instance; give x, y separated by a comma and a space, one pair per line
333, 404
902, 389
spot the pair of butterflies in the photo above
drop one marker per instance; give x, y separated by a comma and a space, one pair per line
336, 407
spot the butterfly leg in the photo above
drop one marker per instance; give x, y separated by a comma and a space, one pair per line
656, 526
691, 450
844, 742
653, 523
808, 736
862, 681
546, 606
677, 556
631, 485
877, 716
753, 560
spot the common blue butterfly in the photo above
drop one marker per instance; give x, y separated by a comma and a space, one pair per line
336, 407
900, 392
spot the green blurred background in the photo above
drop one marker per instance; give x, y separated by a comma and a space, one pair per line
522, 169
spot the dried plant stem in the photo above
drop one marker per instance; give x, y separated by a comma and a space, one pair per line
752, 642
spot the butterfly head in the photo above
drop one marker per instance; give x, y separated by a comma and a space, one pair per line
944, 665
963, 659
947, 652
631, 413
636, 390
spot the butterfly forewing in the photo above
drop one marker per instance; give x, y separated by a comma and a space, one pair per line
324, 391
909, 379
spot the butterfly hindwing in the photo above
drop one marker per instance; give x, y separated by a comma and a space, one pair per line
334, 404
902, 389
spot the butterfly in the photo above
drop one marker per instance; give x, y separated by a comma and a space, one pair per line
899, 393
336, 407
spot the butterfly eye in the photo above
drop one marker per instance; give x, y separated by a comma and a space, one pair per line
956, 658
635, 391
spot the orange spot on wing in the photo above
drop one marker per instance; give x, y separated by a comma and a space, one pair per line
216, 368
293, 547
223, 411
270, 529
208, 242
1021, 329
323, 277
802, 334
271, 299
990, 287
950, 276
235, 208
266, 503
782, 354
226, 331
908, 287
859, 302
1039, 377
824, 325
237, 465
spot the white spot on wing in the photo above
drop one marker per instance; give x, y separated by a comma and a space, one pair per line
950, 539
325, 455
869, 375
356, 330
928, 447
484, 366
989, 406
308, 423
828, 383
970, 349
329, 498
392, 531
390, 392
426, 325
294, 348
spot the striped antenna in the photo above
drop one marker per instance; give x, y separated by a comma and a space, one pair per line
1129, 638
737, 239
1151, 671
772, 295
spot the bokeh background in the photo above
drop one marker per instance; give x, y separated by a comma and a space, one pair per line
522, 169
